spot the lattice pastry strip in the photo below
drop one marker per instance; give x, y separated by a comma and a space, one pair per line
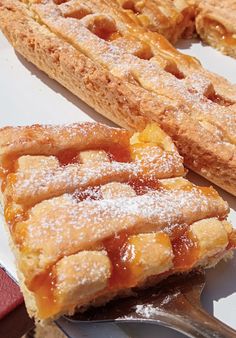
87, 223
89, 274
182, 65
82, 276
192, 91
45, 140
172, 19
130, 30
87, 242
145, 44
31, 184
42, 184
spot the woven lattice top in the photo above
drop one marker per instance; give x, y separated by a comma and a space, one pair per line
95, 210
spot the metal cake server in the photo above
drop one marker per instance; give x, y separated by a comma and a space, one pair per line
175, 303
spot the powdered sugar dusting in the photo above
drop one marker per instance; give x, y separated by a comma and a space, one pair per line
147, 311
192, 94
35, 184
50, 139
88, 272
62, 220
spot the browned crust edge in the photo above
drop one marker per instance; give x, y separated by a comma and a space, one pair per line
214, 41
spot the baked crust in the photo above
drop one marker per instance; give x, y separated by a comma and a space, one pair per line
84, 239
215, 23
131, 104
173, 19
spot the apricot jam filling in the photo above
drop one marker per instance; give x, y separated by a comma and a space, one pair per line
68, 156
115, 153
124, 271
43, 287
184, 246
221, 32
119, 154
143, 185
186, 251
8, 165
121, 275
14, 214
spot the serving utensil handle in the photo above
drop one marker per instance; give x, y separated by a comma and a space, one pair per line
207, 326
191, 319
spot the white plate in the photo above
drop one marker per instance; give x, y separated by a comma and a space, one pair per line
28, 96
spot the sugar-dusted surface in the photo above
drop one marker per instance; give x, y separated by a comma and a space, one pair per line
87, 223
195, 92
219, 297
92, 214
85, 274
51, 139
33, 185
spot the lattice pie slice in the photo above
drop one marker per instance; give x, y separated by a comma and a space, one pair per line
216, 24
95, 211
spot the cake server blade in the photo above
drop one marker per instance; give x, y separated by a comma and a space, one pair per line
174, 303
